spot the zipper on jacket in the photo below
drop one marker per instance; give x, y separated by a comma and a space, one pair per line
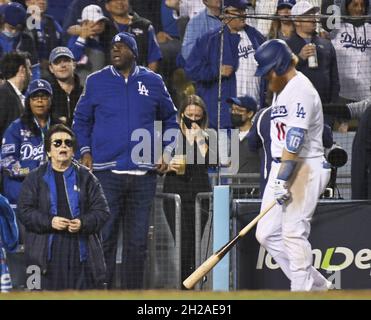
68, 108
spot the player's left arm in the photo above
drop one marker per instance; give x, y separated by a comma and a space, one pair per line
295, 138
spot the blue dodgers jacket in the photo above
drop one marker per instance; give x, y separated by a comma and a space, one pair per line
112, 109
202, 66
21, 152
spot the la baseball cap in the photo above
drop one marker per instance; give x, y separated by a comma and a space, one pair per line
39, 85
92, 13
247, 102
303, 7
14, 14
60, 52
128, 39
285, 4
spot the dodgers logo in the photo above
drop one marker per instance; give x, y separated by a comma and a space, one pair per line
30, 152
243, 52
349, 41
278, 112
142, 89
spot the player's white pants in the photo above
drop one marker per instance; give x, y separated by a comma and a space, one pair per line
285, 229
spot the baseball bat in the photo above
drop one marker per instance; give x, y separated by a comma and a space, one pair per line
210, 263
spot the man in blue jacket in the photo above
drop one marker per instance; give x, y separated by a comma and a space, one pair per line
238, 64
120, 105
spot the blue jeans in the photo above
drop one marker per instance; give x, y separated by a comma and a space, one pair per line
130, 198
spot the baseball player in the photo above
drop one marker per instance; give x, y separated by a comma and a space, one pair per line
299, 171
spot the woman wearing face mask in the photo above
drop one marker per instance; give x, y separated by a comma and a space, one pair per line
12, 36
193, 144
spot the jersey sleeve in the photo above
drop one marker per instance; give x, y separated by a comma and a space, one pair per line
300, 110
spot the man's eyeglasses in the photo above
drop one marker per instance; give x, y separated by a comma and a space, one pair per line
58, 142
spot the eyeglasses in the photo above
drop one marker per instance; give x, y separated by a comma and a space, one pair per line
58, 142
41, 96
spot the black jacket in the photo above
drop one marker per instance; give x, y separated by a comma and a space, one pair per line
11, 107
325, 78
34, 214
361, 159
64, 104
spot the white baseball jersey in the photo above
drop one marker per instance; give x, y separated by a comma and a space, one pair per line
297, 105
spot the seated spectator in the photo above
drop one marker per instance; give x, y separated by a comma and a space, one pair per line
353, 51
65, 84
238, 65
74, 12
58, 9
23, 142
306, 43
12, 36
45, 30
282, 28
122, 19
89, 49
63, 209
16, 70
205, 21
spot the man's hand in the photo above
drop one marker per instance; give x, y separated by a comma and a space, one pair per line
307, 51
59, 223
281, 191
227, 70
87, 160
75, 226
87, 29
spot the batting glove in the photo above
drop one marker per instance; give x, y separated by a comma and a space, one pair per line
281, 191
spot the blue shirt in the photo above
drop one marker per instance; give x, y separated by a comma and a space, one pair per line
197, 27
168, 21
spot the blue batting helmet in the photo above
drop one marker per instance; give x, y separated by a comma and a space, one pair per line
273, 54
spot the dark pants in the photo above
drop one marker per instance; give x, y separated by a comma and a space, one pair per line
130, 199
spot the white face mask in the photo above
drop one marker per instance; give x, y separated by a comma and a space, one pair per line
10, 34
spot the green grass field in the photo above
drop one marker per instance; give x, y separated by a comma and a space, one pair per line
191, 295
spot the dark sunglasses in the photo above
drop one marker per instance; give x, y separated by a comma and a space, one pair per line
58, 142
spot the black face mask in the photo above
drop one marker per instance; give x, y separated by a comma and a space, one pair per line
188, 122
237, 120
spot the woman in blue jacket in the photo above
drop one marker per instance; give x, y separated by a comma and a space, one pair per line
23, 147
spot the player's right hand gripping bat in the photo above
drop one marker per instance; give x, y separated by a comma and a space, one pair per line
210, 263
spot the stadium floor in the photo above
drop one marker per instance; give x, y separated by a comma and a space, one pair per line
192, 295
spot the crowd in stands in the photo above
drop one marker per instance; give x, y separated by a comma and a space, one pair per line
105, 68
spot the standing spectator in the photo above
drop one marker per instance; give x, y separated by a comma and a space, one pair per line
188, 178
282, 28
243, 110
90, 48
16, 70
12, 36
23, 142
205, 21
65, 84
118, 100
46, 31
361, 158
9, 236
325, 77
353, 50
63, 209
238, 65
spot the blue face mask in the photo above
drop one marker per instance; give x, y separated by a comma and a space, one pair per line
10, 34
